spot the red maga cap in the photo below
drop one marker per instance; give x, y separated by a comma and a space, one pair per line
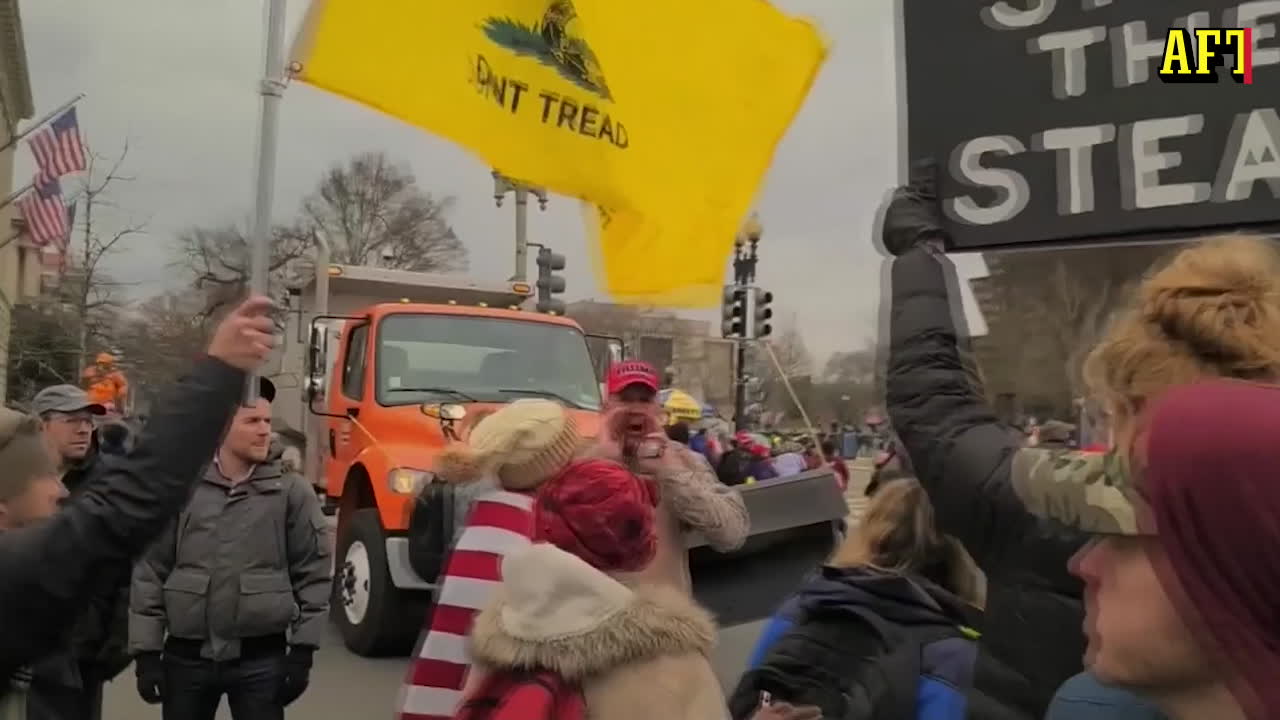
632, 372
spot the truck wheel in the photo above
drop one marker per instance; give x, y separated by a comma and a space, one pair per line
375, 617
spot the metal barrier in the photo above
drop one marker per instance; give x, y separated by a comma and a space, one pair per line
794, 529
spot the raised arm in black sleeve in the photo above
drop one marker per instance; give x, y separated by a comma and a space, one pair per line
960, 450
963, 456
48, 570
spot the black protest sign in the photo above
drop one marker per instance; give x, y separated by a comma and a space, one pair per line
1050, 122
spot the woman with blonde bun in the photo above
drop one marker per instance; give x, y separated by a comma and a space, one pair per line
1213, 310
519, 447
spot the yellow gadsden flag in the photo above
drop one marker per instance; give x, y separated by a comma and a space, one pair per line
664, 114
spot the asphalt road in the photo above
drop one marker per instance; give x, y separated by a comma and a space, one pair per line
347, 686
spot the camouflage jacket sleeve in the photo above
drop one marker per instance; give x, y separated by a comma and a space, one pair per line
703, 503
1083, 490
960, 451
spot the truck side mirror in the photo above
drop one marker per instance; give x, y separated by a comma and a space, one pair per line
315, 363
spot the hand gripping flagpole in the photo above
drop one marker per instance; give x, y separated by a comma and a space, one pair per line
272, 90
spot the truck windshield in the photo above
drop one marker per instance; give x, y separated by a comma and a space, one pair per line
425, 358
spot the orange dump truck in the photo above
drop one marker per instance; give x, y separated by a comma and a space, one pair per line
382, 368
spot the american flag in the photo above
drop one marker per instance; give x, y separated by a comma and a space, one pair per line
57, 147
54, 255
44, 213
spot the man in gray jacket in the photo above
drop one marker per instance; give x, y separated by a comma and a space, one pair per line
233, 599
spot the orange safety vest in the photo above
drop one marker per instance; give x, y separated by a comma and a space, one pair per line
105, 387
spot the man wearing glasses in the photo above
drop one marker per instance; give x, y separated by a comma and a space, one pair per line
69, 683
68, 417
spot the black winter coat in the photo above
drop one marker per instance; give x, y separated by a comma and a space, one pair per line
817, 649
100, 639
65, 681
962, 455
51, 572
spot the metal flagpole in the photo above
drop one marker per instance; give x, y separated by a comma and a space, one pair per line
40, 123
786, 383
10, 239
272, 90
15, 195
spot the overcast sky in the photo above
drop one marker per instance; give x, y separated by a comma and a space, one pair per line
177, 80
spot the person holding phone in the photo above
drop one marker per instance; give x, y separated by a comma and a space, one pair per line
691, 497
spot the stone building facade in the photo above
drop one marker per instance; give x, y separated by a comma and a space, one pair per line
685, 350
20, 266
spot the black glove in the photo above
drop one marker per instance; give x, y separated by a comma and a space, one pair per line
297, 674
914, 215
150, 669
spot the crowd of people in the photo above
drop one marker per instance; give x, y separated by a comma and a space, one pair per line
182, 547
990, 577
745, 458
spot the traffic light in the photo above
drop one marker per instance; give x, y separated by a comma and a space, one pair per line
733, 312
763, 313
550, 284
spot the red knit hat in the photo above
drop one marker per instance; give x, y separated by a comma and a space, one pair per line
601, 512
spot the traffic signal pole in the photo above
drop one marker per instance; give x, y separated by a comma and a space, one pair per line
522, 234
740, 387
549, 284
745, 257
503, 185
745, 312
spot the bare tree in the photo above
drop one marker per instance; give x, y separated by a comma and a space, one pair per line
43, 348
52, 342
159, 338
1051, 307
89, 291
858, 367
853, 381
219, 258
374, 213
1082, 306
794, 363
793, 355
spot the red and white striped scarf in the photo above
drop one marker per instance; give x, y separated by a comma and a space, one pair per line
499, 523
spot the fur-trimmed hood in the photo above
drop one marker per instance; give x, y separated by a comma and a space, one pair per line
556, 612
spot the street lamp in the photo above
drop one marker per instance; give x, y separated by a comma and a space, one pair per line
745, 257
745, 250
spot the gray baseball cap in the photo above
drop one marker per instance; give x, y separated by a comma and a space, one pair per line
64, 399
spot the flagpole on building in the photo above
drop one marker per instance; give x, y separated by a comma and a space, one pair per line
15, 195
40, 123
10, 239
272, 90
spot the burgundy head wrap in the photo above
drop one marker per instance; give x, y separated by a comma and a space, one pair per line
1212, 481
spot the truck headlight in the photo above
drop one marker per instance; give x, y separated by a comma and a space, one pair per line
408, 481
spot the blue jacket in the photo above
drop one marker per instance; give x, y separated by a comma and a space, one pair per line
1084, 698
802, 641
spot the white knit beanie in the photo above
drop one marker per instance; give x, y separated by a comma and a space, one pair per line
526, 443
